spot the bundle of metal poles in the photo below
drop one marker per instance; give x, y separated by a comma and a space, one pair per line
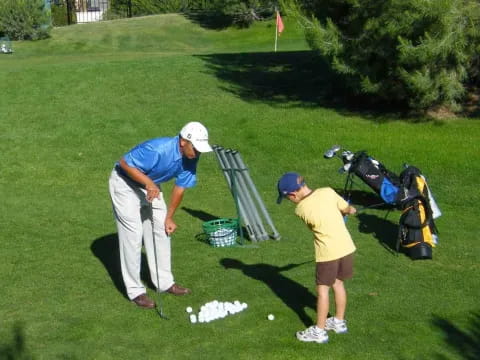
250, 207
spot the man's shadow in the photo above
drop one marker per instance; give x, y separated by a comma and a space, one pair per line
107, 251
199, 214
385, 231
296, 296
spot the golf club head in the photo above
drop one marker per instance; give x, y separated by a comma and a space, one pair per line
161, 314
331, 152
347, 156
345, 168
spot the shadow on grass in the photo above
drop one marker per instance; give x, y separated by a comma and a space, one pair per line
385, 231
364, 199
16, 348
297, 297
295, 79
212, 20
465, 343
200, 214
107, 251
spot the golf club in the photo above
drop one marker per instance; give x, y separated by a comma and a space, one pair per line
370, 207
159, 306
346, 157
331, 152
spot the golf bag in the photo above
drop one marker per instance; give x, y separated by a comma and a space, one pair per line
408, 192
384, 182
417, 231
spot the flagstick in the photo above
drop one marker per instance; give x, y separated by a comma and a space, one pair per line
276, 28
276, 35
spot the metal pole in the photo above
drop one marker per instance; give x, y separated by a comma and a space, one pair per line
229, 174
249, 204
237, 203
243, 205
244, 170
276, 32
69, 12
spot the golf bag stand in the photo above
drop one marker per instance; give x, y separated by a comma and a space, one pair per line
408, 192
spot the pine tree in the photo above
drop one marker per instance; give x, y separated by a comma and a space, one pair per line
417, 52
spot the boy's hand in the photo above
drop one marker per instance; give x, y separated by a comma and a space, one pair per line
350, 210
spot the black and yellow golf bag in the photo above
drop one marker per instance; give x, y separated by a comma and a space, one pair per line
417, 231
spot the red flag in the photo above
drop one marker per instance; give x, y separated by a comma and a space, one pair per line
280, 26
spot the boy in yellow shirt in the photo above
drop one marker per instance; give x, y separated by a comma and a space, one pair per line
322, 210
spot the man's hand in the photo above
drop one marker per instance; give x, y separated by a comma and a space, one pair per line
153, 192
170, 226
175, 199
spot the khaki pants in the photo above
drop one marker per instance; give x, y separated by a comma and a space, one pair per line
136, 220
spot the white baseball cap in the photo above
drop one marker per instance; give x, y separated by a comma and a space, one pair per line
197, 134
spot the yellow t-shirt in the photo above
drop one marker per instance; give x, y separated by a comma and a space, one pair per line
321, 212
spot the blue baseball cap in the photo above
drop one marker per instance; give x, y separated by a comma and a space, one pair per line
288, 183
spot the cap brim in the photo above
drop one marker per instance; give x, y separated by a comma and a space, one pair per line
202, 146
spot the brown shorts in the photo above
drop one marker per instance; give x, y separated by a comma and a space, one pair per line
328, 271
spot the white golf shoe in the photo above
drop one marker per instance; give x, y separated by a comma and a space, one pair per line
313, 334
339, 326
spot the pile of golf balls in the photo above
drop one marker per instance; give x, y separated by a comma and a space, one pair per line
214, 310
223, 237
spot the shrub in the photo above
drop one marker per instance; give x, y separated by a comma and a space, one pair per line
239, 12
24, 19
244, 12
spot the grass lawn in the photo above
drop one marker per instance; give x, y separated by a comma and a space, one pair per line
71, 105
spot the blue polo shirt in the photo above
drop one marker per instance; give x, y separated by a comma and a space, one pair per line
160, 159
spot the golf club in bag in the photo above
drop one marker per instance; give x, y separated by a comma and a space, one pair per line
407, 192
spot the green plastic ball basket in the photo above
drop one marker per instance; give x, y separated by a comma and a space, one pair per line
221, 232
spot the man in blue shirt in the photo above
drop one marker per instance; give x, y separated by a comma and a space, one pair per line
140, 210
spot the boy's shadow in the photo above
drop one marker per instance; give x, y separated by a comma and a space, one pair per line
107, 251
385, 231
294, 295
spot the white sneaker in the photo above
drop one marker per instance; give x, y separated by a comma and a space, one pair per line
339, 326
313, 333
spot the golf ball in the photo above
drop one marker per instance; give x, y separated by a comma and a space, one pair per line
189, 309
271, 317
193, 319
